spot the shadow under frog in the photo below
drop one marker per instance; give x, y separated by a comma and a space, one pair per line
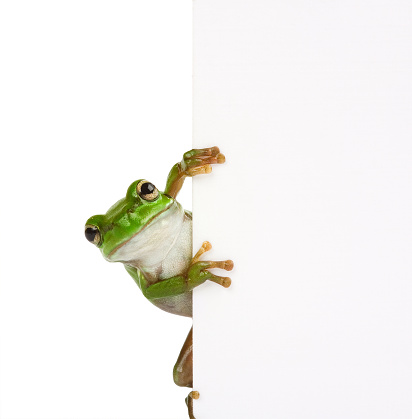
151, 234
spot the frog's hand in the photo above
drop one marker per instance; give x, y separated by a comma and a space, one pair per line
197, 274
194, 162
201, 267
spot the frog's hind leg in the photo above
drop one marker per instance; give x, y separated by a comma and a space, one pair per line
183, 371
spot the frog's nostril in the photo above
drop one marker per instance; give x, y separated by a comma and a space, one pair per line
92, 234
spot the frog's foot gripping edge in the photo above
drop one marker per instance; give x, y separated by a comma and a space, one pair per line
189, 402
195, 162
203, 266
199, 161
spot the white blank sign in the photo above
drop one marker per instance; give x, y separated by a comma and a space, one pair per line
311, 102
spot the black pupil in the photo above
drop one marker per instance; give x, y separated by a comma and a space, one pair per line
90, 233
147, 188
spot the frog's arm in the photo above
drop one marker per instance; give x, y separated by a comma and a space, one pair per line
194, 162
166, 288
197, 274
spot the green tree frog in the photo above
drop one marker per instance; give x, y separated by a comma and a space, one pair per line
151, 234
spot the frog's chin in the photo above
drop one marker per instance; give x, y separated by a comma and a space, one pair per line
151, 245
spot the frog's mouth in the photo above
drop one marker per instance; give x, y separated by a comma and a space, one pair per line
155, 238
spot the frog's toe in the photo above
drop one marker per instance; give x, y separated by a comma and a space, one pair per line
199, 161
220, 158
206, 246
194, 395
224, 281
227, 265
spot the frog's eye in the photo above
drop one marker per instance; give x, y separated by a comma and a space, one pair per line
147, 190
92, 234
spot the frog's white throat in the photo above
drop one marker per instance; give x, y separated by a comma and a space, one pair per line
149, 247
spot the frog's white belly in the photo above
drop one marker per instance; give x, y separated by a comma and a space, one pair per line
163, 250
176, 263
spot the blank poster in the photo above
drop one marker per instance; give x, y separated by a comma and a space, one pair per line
311, 102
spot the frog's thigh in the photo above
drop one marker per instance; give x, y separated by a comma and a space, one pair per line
183, 370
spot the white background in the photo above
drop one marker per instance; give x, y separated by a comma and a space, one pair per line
93, 95
311, 103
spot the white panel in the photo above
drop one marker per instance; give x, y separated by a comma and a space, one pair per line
311, 102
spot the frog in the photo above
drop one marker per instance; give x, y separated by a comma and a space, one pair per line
150, 233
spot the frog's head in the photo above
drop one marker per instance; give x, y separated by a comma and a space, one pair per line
142, 206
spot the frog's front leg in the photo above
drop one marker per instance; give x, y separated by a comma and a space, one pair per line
196, 275
194, 162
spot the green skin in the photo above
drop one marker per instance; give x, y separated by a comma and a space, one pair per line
151, 235
125, 220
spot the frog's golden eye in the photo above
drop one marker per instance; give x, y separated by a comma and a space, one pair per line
147, 190
92, 234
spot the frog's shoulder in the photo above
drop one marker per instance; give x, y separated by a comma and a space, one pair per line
188, 214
